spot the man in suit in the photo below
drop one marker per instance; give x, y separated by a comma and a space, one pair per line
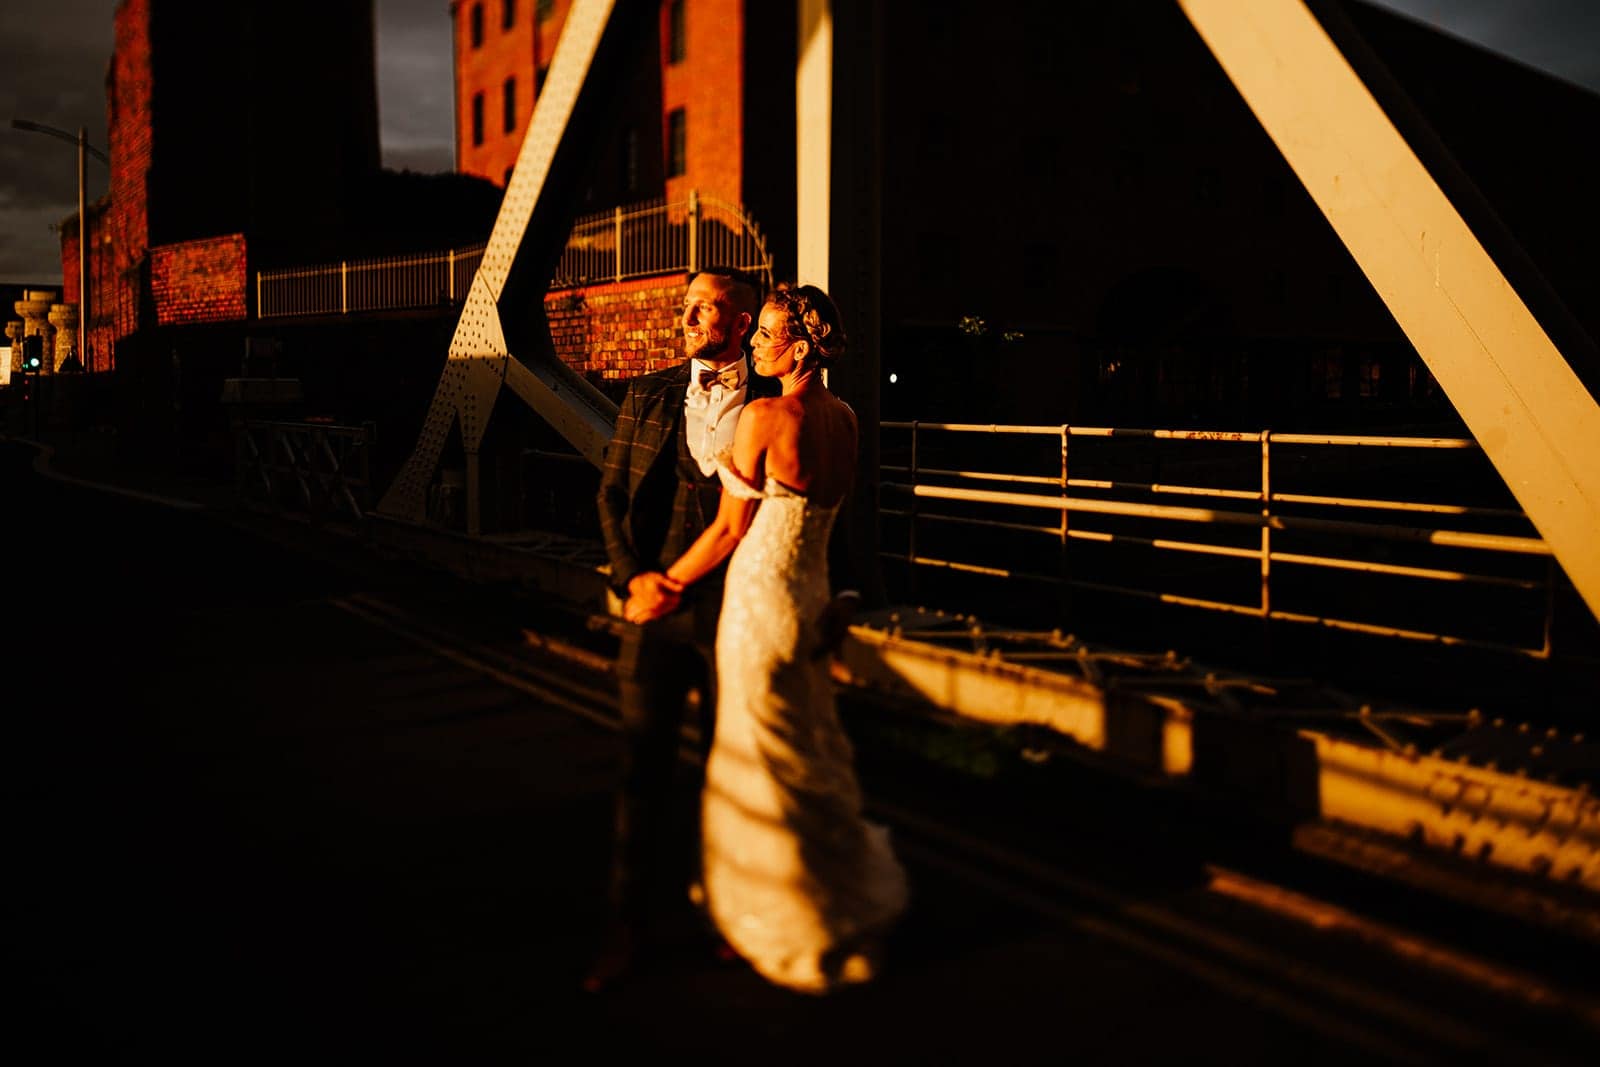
658, 491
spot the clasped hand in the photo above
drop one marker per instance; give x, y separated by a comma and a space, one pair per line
651, 595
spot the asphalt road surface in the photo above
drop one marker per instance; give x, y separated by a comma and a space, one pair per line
267, 798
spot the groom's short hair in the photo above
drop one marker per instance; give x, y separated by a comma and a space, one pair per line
746, 293
745, 288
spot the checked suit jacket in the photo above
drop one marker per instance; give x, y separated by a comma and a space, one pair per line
640, 506
638, 502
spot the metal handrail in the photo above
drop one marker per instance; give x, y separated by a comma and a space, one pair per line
1262, 517
661, 238
632, 241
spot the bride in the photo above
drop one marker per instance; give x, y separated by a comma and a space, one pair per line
797, 882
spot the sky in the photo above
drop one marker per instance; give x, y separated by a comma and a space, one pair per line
53, 56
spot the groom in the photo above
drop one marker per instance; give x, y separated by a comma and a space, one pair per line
658, 491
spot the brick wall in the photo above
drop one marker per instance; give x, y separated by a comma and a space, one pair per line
199, 281
128, 89
99, 333
621, 329
709, 85
515, 52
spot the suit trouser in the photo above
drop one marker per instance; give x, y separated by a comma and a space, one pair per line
659, 664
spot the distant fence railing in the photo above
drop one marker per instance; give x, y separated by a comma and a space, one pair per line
388, 283
660, 237
1262, 516
627, 242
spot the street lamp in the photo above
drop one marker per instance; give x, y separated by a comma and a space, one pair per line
84, 150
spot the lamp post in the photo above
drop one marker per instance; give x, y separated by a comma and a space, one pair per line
85, 149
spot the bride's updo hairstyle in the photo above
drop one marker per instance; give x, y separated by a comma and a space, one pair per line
810, 315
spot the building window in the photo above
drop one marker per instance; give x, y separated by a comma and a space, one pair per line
677, 143
539, 76
544, 9
477, 118
476, 21
508, 14
511, 104
1371, 381
677, 36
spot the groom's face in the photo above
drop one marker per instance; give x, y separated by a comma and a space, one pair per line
712, 325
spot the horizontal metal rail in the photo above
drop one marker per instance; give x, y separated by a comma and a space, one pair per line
662, 238
1528, 546
636, 241
1366, 503
1068, 500
1227, 551
1240, 436
386, 283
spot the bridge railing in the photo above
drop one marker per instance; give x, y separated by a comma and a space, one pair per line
386, 283
318, 470
627, 242
1254, 535
659, 238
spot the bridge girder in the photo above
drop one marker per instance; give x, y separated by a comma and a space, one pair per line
1520, 398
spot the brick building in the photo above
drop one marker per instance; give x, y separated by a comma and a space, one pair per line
225, 155
698, 117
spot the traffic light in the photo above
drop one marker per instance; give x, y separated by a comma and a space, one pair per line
32, 353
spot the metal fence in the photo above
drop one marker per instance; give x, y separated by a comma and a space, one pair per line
318, 470
661, 237
627, 242
1256, 518
388, 283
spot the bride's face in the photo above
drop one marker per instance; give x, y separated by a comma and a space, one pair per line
772, 349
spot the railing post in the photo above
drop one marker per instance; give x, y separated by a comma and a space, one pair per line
450, 286
1549, 609
344, 287
1266, 538
618, 235
258, 294
911, 522
694, 230
1064, 599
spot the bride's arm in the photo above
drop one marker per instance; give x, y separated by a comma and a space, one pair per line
717, 542
734, 511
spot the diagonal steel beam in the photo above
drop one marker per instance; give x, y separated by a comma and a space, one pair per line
1521, 399
599, 42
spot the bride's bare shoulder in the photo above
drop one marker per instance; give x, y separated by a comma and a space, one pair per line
846, 412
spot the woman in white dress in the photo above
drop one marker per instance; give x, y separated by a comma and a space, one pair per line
798, 883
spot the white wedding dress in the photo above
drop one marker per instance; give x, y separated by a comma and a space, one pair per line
796, 880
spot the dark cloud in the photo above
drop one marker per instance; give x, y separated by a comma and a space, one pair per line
53, 55
53, 58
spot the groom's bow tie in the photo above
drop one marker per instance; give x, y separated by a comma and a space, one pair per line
728, 376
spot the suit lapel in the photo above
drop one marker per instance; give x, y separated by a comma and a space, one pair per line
663, 419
